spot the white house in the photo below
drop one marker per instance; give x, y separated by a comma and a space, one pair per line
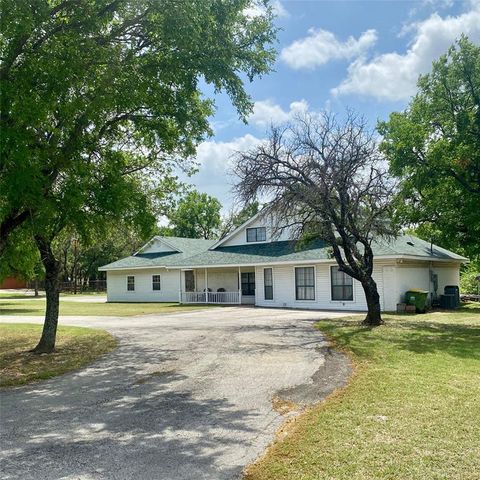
254, 265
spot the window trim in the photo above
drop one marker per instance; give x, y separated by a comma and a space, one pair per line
126, 285
256, 234
248, 283
159, 281
331, 288
314, 299
273, 288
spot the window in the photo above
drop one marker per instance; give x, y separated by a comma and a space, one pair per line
342, 285
268, 283
155, 282
248, 283
130, 283
258, 234
305, 283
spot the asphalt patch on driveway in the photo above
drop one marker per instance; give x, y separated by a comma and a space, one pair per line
333, 374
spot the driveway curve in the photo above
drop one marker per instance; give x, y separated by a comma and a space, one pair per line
185, 396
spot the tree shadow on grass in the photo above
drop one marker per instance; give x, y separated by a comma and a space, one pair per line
416, 336
18, 311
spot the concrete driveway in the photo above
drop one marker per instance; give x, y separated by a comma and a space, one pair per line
185, 396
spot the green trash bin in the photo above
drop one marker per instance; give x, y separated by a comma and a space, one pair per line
417, 298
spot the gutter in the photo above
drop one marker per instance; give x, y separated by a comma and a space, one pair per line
287, 262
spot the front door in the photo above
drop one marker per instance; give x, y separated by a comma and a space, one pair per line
248, 284
189, 281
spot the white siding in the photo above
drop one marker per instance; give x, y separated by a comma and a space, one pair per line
157, 246
417, 276
240, 238
117, 286
284, 289
411, 277
447, 275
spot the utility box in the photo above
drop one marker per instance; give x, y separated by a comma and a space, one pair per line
455, 291
417, 298
448, 302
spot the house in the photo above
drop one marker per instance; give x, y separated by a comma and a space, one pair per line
256, 265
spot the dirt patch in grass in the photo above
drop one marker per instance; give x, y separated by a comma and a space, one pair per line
75, 348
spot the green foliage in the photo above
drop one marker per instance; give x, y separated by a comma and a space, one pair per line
470, 278
21, 258
101, 99
434, 148
196, 216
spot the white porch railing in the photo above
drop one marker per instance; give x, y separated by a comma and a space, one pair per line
211, 297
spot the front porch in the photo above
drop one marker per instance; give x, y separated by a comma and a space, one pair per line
226, 286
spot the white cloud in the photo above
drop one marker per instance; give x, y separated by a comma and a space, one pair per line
215, 162
266, 112
393, 76
321, 46
256, 9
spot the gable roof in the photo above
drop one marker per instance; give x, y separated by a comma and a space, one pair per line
198, 253
182, 249
238, 229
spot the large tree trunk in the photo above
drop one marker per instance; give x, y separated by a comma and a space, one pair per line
52, 291
374, 317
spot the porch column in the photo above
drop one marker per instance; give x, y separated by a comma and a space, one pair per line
239, 286
180, 288
206, 286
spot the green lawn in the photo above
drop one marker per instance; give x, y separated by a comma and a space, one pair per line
69, 307
76, 347
411, 411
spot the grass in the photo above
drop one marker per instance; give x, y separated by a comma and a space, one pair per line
410, 411
76, 347
68, 307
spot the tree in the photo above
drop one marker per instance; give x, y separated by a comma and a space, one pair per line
80, 80
100, 100
237, 217
324, 180
196, 216
433, 147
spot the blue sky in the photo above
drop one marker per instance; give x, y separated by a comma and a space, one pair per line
364, 55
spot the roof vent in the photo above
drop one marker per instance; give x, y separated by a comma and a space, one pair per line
410, 243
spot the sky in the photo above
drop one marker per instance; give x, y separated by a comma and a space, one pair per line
334, 55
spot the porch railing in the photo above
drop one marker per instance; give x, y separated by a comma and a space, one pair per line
211, 297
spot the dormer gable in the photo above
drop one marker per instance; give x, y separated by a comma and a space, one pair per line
261, 228
158, 245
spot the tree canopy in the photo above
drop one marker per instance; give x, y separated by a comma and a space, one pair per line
196, 216
434, 148
103, 89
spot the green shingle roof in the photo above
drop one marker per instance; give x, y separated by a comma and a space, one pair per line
196, 253
186, 246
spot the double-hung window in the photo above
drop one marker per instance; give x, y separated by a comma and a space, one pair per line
268, 283
342, 285
156, 282
257, 234
305, 283
130, 283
